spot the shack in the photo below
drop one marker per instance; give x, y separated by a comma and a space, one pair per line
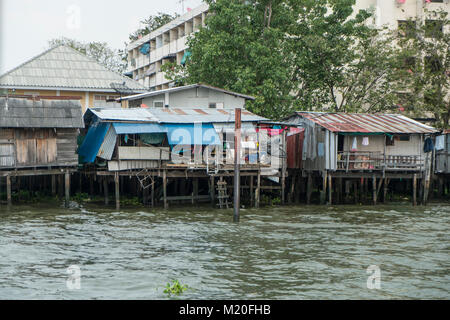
442, 165
38, 137
150, 144
363, 147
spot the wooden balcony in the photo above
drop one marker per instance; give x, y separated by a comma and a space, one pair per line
372, 161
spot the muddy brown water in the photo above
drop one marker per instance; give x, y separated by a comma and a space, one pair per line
304, 252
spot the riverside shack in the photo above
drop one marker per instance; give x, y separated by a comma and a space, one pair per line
186, 148
358, 148
38, 137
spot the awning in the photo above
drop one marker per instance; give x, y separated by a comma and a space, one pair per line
136, 128
186, 56
192, 134
89, 149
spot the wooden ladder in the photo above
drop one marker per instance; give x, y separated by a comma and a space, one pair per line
222, 194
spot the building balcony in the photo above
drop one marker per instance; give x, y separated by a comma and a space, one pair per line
373, 161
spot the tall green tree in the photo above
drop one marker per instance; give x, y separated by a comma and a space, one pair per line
99, 51
291, 54
423, 72
152, 23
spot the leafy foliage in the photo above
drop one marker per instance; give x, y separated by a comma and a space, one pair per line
99, 51
152, 23
175, 288
291, 54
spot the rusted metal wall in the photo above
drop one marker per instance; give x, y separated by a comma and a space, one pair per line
294, 145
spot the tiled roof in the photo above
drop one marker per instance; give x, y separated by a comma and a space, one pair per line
64, 68
26, 113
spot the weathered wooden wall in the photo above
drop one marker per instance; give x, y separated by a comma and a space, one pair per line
21, 148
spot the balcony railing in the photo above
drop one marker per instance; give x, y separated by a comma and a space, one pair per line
378, 161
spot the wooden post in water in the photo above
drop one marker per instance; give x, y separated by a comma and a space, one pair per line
237, 169
355, 191
212, 190
309, 188
385, 189
117, 187
414, 190
374, 189
53, 185
8, 190
330, 190
323, 193
105, 189
251, 192
67, 188
152, 194
195, 189
166, 204
258, 189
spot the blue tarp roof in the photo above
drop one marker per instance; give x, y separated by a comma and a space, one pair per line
93, 141
192, 134
136, 128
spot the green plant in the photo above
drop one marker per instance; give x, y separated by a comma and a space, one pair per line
175, 288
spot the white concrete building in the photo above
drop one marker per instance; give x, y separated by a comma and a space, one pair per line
168, 43
395, 13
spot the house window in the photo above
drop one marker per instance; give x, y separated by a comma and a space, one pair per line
158, 104
434, 28
404, 138
407, 28
389, 140
100, 97
213, 105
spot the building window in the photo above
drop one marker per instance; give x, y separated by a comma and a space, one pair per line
213, 105
407, 28
158, 104
438, 1
404, 138
433, 64
389, 140
434, 28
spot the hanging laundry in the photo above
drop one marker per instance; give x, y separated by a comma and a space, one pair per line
428, 145
355, 144
365, 141
126, 138
440, 143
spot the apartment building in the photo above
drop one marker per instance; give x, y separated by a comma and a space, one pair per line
396, 13
166, 44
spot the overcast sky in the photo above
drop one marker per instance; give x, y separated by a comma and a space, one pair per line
27, 25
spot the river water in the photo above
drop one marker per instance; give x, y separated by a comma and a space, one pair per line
304, 252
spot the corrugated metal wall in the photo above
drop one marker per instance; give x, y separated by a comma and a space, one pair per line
109, 143
443, 157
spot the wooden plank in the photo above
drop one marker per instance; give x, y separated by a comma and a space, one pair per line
143, 153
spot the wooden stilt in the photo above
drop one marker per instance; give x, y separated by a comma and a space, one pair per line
53, 185
117, 187
8, 190
91, 185
195, 190
67, 188
414, 190
330, 190
60, 185
258, 189
212, 191
309, 186
355, 191
339, 191
152, 194
251, 191
385, 189
347, 190
105, 190
374, 189
323, 193
291, 193
166, 204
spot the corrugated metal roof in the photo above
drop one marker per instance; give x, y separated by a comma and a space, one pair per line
366, 123
62, 67
160, 115
191, 86
25, 113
